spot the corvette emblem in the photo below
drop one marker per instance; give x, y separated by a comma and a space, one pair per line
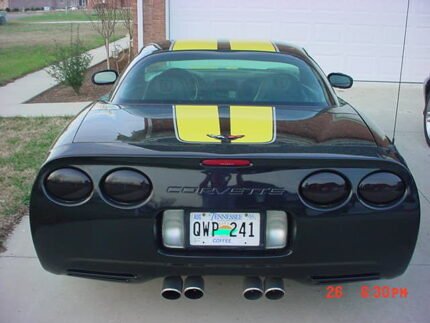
227, 138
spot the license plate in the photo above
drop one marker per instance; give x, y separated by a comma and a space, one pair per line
227, 229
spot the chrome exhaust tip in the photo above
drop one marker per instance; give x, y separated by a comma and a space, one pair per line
274, 288
194, 287
252, 288
172, 287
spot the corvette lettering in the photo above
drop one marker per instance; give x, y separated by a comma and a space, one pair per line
226, 191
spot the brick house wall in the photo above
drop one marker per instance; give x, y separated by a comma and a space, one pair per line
154, 21
22, 4
134, 15
4, 4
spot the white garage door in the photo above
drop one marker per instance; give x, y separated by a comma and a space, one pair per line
362, 38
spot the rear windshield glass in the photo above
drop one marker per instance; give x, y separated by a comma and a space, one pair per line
222, 79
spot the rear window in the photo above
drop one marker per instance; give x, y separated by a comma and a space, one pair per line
222, 78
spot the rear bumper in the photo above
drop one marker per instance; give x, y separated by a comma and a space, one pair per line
352, 247
339, 273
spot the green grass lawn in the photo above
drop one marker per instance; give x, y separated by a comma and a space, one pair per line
26, 47
79, 15
20, 60
24, 143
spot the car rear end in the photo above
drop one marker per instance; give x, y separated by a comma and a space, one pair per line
250, 167
314, 219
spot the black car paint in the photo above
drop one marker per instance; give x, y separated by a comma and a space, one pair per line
101, 239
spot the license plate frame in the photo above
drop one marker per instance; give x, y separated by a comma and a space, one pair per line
217, 247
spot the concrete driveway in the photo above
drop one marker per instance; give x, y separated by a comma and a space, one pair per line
29, 294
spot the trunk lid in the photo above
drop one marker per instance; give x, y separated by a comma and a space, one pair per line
229, 129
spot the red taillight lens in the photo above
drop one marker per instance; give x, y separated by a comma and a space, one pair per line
226, 162
325, 189
381, 188
126, 186
68, 185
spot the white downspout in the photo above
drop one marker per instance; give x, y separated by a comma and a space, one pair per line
139, 24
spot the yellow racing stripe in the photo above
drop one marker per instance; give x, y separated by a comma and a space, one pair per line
264, 46
195, 45
255, 123
194, 123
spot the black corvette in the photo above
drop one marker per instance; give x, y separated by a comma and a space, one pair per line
224, 158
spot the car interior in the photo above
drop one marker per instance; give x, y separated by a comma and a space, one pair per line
230, 86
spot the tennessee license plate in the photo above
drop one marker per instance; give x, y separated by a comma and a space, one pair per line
226, 229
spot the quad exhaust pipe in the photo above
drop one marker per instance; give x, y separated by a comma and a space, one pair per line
194, 288
273, 288
252, 288
174, 287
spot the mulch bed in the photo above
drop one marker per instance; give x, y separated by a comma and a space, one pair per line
88, 92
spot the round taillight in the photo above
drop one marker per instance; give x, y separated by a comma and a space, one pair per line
381, 188
325, 189
68, 185
126, 186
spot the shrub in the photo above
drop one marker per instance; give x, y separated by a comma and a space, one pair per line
71, 63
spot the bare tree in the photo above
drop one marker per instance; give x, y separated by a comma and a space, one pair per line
104, 21
126, 18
